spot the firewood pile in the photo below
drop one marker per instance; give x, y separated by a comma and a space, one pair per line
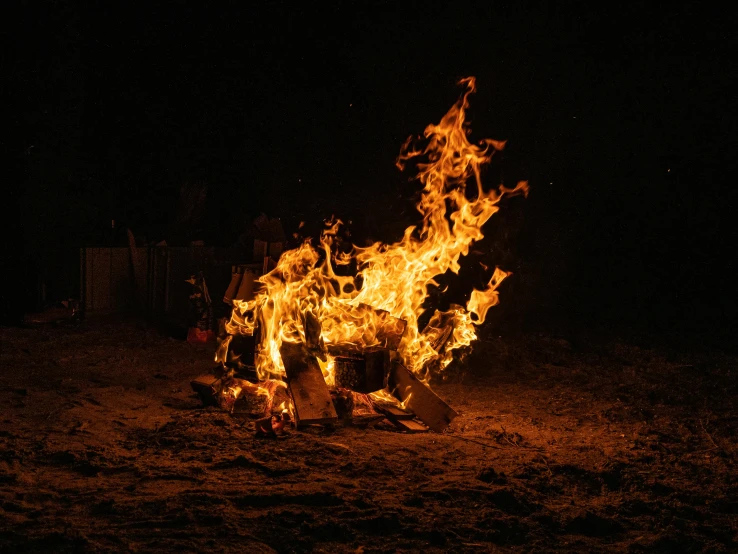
313, 317
370, 385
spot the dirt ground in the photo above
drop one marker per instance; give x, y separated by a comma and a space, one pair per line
563, 444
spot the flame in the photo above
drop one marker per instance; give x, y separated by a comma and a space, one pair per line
483, 300
233, 388
384, 396
328, 369
392, 278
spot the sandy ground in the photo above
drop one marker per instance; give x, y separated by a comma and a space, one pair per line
562, 444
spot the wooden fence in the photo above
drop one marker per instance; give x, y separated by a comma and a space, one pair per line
153, 280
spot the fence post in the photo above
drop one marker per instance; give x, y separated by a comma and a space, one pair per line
166, 282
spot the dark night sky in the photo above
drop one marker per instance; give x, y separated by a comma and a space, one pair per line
618, 116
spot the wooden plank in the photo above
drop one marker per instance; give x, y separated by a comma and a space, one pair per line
377, 369
207, 387
100, 280
410, 425
261, 250
418, 397
141, 261
310, 395
269, 265
344, 349
232, 289
246, 286
393, 412
120, 279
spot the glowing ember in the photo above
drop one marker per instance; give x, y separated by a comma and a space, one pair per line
393, 279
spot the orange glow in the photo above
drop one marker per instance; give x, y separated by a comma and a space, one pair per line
393, 278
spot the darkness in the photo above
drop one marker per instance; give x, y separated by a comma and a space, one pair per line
618, 116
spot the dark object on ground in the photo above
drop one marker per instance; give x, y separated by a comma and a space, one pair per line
67, 310
207, 388
410, 425
419, 398
343, 401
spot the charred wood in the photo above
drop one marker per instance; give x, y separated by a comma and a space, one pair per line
419, 398
207, 388
313, 339
251, 404
440, 341
410, 425
393, 412
343, 401
310, 395
364, 413
377, 369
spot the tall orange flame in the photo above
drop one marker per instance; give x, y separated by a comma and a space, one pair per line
394, 278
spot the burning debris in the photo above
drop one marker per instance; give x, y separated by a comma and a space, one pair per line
350, 347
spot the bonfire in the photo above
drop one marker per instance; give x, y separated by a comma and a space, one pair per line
332, 346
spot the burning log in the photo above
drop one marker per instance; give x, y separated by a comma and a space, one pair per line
418, 397
272, 425
393, 412
269, 265
344, 310
251, 405
402, 418
251, 400
391, 330
343, 401
391, 333
388, 334
310, 395
440, 341
241, 397
241, 355
313, 339
280, 399
363, 412
237, 352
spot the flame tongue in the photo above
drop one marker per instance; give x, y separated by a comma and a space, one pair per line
394, 277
